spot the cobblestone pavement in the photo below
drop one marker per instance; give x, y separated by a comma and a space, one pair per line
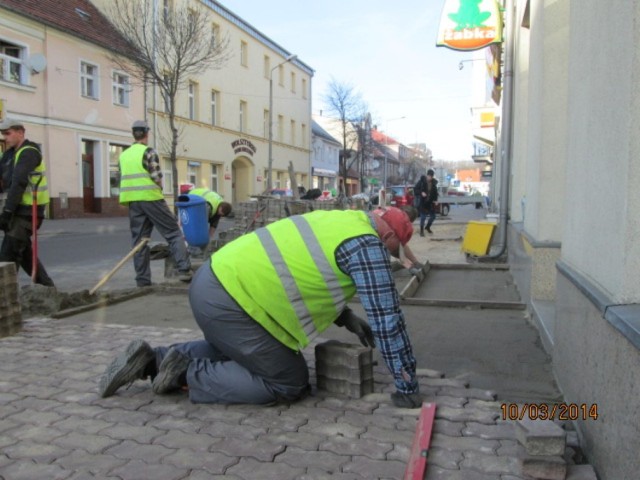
53, 425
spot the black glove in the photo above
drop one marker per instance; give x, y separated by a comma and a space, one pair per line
406, 400
356, 325
5, 220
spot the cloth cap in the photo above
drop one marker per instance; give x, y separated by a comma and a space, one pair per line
8, 123
431, 172
398, 221
140, 125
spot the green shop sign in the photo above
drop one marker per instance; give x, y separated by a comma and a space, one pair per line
469, 24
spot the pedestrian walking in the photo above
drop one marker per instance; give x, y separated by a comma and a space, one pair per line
141, 191
21, 159
427, 191
216, 207
263, 297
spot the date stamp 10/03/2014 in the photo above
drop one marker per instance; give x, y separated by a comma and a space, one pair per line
549, 411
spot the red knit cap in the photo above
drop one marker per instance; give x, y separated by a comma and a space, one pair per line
398, 221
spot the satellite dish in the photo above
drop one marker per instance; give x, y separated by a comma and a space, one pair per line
36, 63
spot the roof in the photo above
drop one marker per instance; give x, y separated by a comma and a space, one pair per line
317, 130
79, 18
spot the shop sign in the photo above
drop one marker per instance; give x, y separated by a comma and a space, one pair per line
469, 24
242, 145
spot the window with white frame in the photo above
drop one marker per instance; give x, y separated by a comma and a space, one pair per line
292, 133
193, 101
11, 57
244, 53
114, 168
121, 89
167, 177
213, 184
303, 132
193, 172
215, 35
165, 96
293, 82
243, 117
304, 88
281, 75
265, 123
267, 66
89, 80
214, 107
280, 128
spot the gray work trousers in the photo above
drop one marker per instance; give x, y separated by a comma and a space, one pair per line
143, 216
238, 361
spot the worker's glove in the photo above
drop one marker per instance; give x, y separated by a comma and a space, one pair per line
417, 270
406, 400
356, 325
5, 220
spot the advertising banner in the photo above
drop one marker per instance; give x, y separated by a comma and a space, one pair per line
469, 24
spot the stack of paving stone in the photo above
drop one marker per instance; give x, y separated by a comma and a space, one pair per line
545, 444
344, 369
10, 313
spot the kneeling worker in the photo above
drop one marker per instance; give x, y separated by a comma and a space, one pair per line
216, 207
264, 296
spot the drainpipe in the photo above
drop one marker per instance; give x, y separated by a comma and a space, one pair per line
506, 121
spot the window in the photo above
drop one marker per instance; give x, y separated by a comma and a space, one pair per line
11, 63
165, 96
215, 35
120, 89
303, 133
244, 54
292, 134
193, 101
280, 128
267, 67
167, 177
166, 10
213, 185
304, 88
281, 75
243, 116
265, 123
114, 168
293, 82
193, 172
89, 80
214, 107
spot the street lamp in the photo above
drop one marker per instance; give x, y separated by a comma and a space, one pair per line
270, 168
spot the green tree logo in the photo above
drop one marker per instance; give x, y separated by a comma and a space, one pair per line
469, 15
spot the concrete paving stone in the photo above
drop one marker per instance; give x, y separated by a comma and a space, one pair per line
429, 373
340, 428
40, 391
444, 458
121, 431
363, 405
168, 422
391, 412
435, 473
251, 469
6, 440
125, 416
466, 415
90, 443
305, 441
490, 464
319, 474
447, 401
89, 426
79, 398
221, 429
97, 464
581, 472
139, 470
325, 460
401, 452
510, 448
267, 421
464, 443
486, 404
371, 469
380, 418
203, 475
212, 462
258, 449
407, 423
569, 456
447, 427
8, 425
125, 399
547, 467
27, 470
34, 403
443, 382
161, 407
376, 449
375, 398
491, 432
541, 437
476, 393
389, 435
132, 450
32, 417
573, 440
81, 411
217, 413
36, 452
175, 439
306, 412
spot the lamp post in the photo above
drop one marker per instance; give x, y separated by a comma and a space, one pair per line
270, 166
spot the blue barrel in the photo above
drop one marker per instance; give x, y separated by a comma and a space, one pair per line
192, 210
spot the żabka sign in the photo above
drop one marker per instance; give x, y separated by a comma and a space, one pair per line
469, 24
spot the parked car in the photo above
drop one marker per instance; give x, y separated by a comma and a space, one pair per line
402, 195
280, 192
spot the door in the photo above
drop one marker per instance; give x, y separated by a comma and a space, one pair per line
88, 193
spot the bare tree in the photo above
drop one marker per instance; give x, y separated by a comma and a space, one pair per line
343, 102
167, 49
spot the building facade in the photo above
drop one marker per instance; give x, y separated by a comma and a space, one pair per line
325, 156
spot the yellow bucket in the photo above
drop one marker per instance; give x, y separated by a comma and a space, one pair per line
477, 238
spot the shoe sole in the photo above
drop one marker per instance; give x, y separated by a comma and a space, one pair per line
172, 366
125, 368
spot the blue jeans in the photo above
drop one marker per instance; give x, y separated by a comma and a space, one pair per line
427, 211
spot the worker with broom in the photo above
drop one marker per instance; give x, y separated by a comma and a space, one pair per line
19, 163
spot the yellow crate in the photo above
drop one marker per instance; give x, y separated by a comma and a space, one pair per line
477, 238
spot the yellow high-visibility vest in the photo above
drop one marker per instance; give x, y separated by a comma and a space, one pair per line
212, 198
136, 184
43, 187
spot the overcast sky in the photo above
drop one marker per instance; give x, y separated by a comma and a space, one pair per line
387, 51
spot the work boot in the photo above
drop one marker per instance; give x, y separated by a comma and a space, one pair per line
185, 276
133, 364
406, 400
422, 231
429, 230
171, 373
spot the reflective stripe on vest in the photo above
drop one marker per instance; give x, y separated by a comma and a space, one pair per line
214, 199
42, 196
135, 182
285, 275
